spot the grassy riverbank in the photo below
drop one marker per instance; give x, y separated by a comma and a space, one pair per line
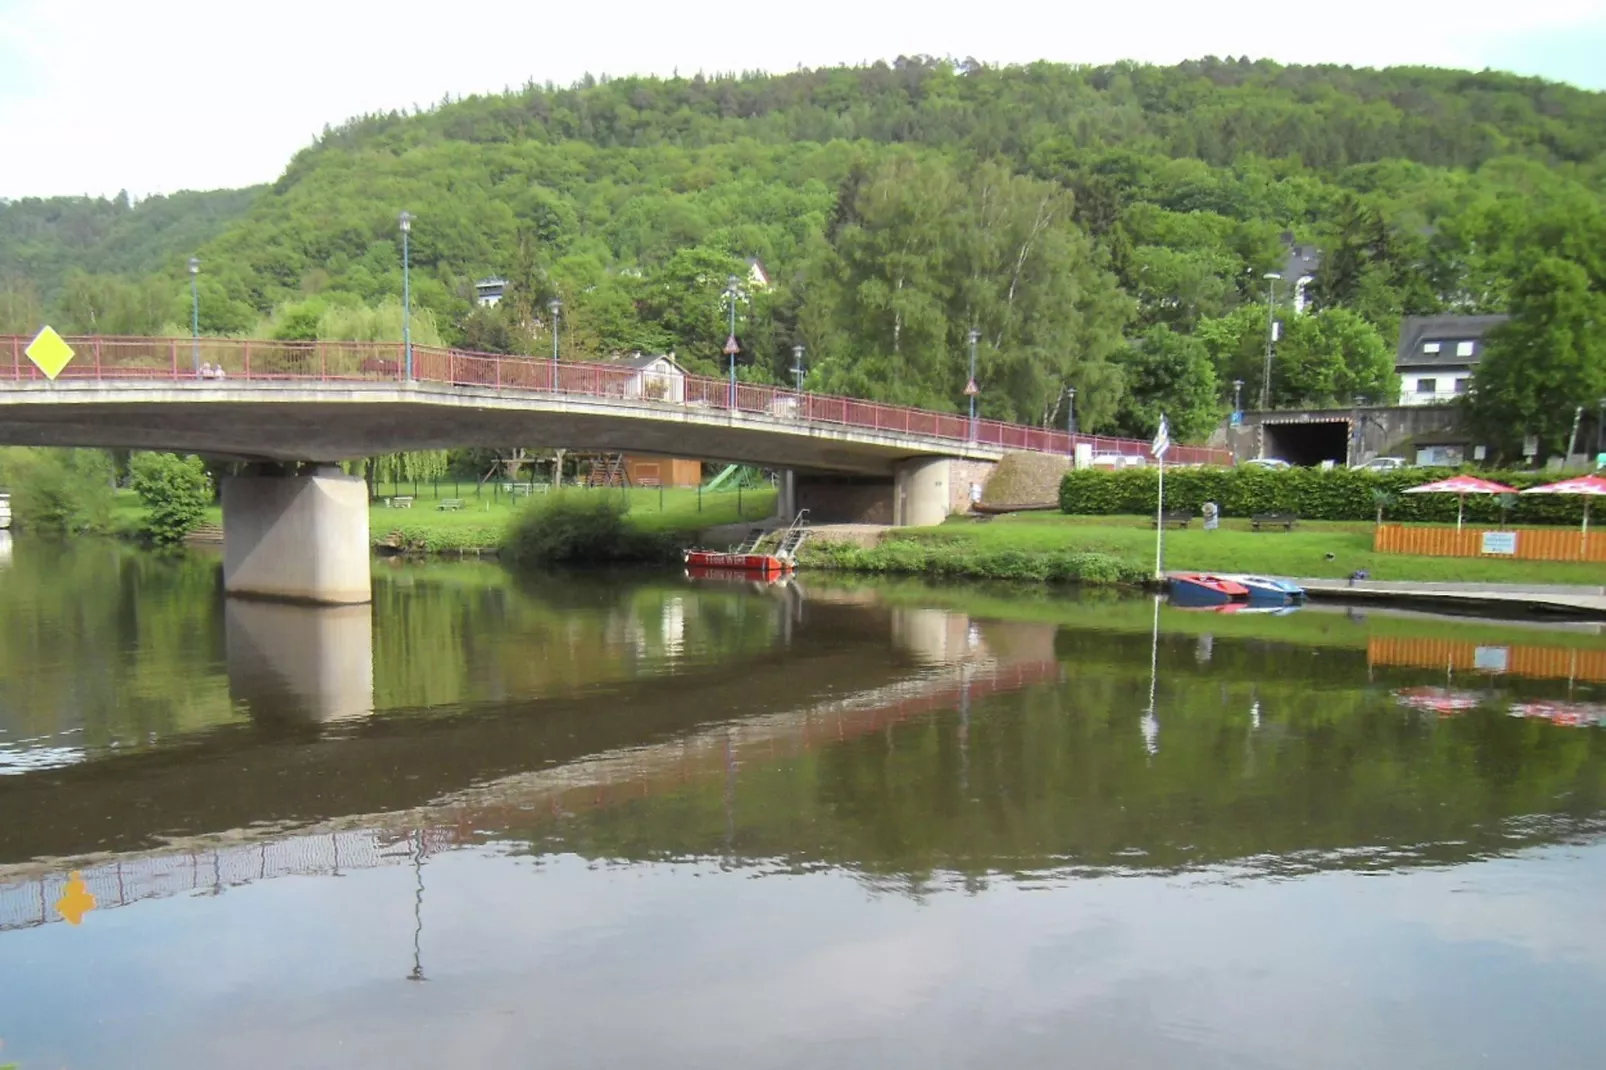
482, 524
1038, 546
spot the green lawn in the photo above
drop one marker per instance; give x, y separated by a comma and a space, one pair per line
483, 520
1234, 548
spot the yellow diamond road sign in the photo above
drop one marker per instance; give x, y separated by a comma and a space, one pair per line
49, 352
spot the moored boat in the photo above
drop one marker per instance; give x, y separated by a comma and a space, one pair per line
1204, 589
736, 562
1268, 590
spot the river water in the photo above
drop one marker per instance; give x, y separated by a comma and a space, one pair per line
641, 820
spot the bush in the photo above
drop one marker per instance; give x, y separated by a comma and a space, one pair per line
57, 491
176, 491
581, 527
1311, 493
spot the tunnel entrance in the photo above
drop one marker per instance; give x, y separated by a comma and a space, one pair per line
1309, 442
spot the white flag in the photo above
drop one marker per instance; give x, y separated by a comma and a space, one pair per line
1162, 439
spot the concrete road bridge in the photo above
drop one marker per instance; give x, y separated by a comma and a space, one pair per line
323, 402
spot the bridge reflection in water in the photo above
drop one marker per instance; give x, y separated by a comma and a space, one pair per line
909, 742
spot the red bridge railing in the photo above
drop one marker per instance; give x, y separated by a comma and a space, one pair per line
121, 359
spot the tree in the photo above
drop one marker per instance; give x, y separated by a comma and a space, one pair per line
175, 491
1170, 373
1547, 360
57, 491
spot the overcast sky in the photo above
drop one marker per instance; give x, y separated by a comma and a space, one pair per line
102, 95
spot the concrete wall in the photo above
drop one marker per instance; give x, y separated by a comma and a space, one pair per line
300, 538
1382, 428
961, 474
845, 499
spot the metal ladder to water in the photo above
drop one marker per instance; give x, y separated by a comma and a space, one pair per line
794, 537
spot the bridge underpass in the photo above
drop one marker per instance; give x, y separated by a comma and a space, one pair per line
302, 533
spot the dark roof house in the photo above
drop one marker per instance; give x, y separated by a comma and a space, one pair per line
1443, 341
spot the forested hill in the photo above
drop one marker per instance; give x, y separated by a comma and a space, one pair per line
44, 238
1103, 228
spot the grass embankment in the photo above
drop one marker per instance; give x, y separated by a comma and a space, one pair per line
1120, 549
483, 522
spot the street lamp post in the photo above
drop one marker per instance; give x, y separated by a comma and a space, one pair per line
1600, 429
554, 306
1070, 410
406, 220
731, 348
971, 389
797, 366
1271, 278
1237, 395
195, 314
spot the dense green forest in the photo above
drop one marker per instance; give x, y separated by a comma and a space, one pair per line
1105, 229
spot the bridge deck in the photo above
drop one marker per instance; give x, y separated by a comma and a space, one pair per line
118, 382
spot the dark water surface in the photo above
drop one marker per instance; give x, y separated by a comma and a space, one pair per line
635, 820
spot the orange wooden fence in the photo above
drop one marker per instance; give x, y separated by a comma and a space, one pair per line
1537, 662
1532, 544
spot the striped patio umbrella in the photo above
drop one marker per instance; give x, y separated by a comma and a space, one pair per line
1461, 486
1589, 486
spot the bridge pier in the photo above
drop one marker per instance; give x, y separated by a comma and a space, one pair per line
920, 492
297, 537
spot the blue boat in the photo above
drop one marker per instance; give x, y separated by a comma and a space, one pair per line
1269, 590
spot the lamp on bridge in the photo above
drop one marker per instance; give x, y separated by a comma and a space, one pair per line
971, 389
1271, 278
797, 366
554, 306
406, 221
1070, 410
732, 291
195, 313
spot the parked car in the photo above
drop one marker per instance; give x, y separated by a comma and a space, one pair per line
1382, 464
1274, 464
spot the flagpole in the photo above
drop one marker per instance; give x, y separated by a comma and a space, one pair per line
1159, 525
1162, 442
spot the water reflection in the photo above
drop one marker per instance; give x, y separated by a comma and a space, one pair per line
552, 795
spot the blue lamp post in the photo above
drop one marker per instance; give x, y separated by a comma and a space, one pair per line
732, 290
971, 389
406, 220
1070, 410
195, 314
797, 366
554, 306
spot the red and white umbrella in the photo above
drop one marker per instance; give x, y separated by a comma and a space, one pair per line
1589, 486
1461, 486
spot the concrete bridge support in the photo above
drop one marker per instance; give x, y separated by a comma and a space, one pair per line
921, 495
297, 537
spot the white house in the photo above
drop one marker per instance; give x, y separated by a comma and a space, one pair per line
1437, 354
488, 292
655, 378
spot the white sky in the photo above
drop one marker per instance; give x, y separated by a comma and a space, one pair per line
102, 95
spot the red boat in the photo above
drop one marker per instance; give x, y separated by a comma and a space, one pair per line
746, 557
736, 562
1203, 589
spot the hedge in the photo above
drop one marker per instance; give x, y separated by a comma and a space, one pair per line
1310, 493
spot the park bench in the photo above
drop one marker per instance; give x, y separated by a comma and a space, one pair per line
449, 504
1179, 517
1286, 521
404, 501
